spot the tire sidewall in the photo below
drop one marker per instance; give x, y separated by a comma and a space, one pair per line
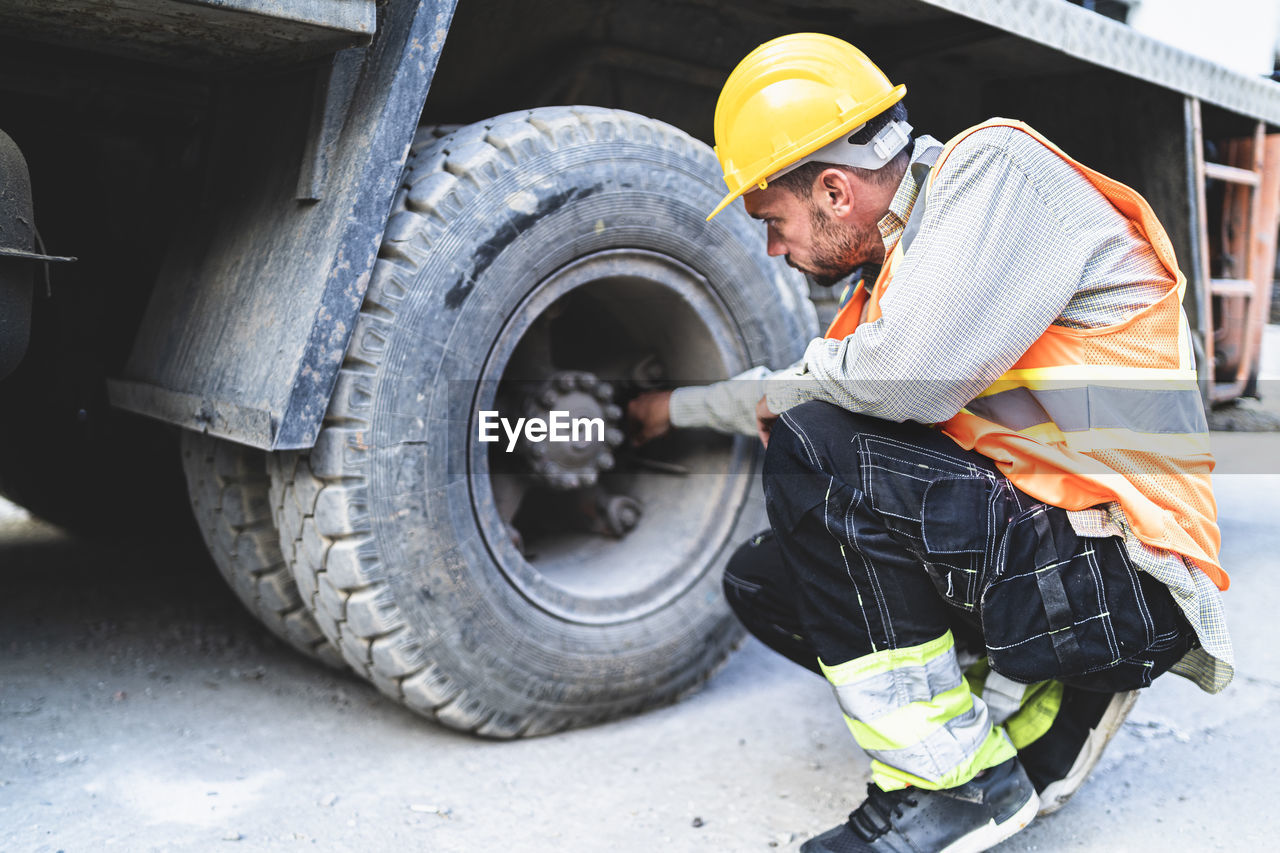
511, 227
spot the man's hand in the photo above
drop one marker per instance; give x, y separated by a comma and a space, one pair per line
649, 416
765, 419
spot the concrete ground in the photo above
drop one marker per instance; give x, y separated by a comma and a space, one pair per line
142, 709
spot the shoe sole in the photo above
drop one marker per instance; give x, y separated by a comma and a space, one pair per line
993, 833
1056, 794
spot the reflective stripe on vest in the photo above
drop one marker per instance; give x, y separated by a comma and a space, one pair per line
1089, 416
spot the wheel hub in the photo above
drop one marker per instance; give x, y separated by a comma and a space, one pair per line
591, 531
594, 424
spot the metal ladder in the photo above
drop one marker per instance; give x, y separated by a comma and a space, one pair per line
1235, 305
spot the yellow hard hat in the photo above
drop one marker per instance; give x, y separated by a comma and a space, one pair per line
788, 98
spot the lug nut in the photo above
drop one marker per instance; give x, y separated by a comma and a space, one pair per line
613, 436
564, 382
604, 460
604, 391
549, 398
587, 382
612, 411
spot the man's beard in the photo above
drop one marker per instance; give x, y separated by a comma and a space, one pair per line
837, 251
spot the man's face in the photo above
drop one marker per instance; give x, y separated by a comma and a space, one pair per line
811, 238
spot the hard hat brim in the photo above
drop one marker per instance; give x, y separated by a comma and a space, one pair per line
861, 117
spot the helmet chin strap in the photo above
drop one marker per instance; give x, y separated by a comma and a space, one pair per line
882, 148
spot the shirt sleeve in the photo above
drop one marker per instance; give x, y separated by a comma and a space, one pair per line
993, 265
727, 406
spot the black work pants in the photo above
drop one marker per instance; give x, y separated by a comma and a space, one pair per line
887, 535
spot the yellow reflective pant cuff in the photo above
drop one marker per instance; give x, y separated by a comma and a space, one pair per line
887, 659
996, 749
1039, 709
913, 723
914, 714
1036, 712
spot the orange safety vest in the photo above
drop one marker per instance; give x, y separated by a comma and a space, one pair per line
1089, 416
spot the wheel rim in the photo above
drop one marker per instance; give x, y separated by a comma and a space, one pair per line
623, 299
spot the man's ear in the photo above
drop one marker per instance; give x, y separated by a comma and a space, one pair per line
835, 189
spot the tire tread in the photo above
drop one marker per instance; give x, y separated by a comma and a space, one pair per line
230, 497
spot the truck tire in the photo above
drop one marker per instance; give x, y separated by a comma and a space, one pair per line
565, 238
228, 487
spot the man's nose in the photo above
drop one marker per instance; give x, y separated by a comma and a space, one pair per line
775, 247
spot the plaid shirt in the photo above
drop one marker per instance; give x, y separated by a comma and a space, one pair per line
1014, 240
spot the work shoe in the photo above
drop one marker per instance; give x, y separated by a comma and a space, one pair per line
1061, 759
971, 817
